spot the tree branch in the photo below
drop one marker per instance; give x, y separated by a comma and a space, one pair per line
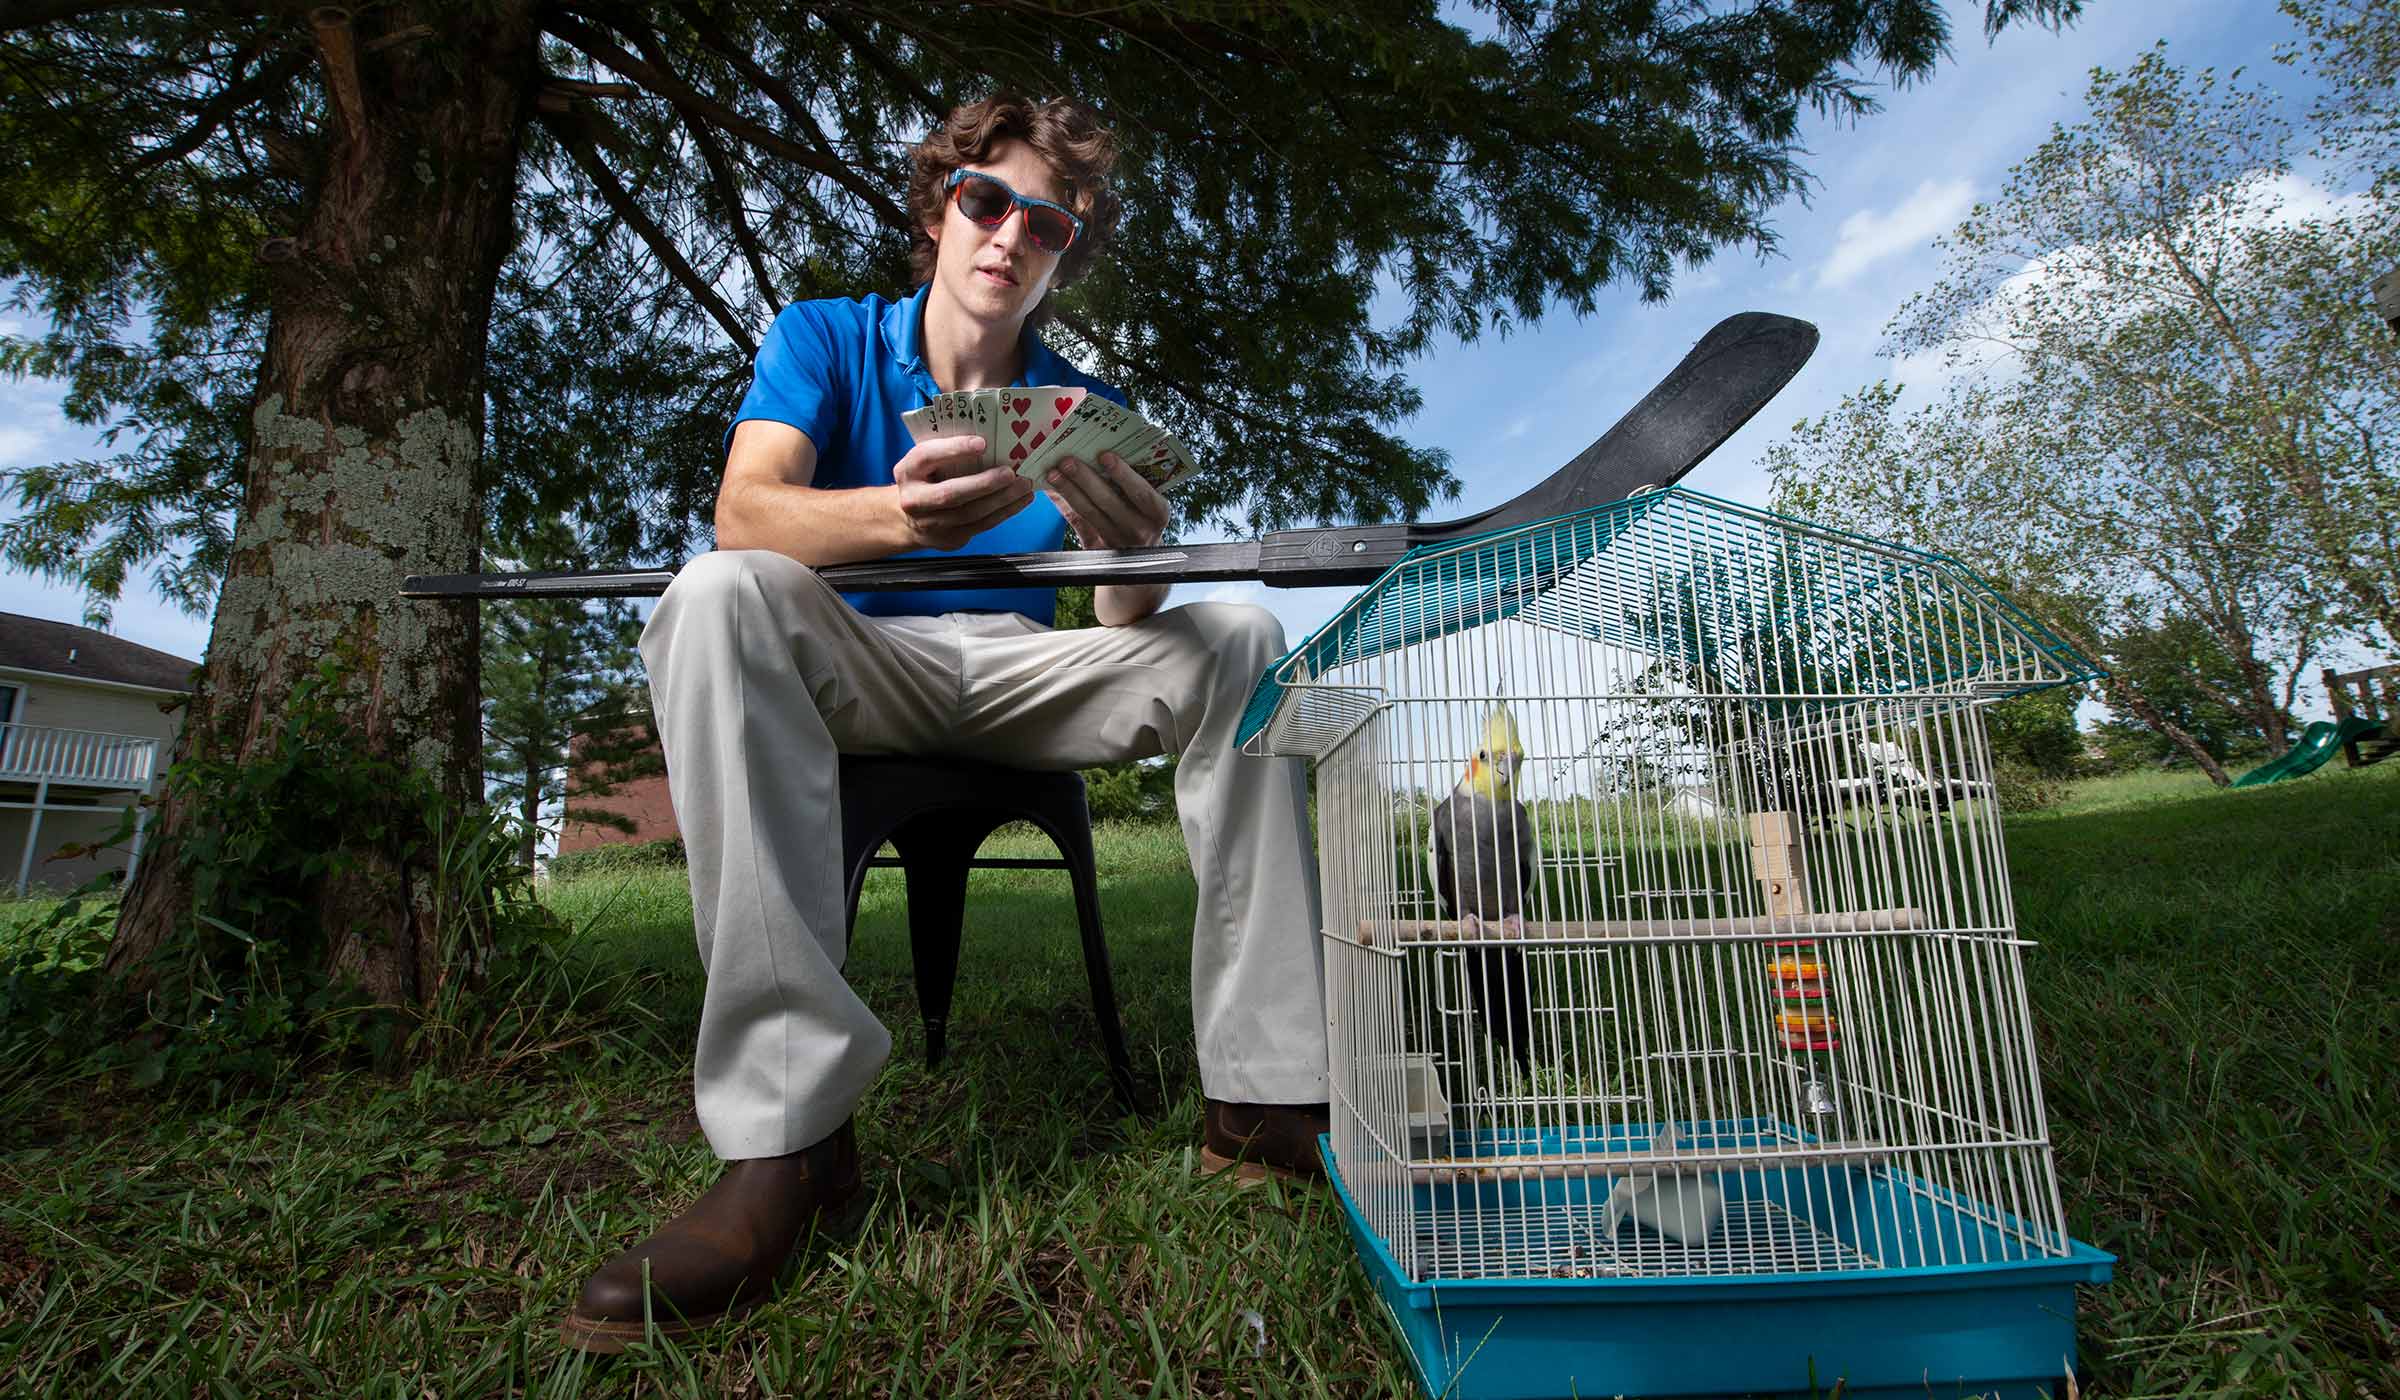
26, 14
893, 73
1266, 427
796, 112
557, 95
686, 98
613, 193
231, 99
720, 173
339, 47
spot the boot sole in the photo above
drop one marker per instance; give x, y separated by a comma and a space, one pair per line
605, 1338
1248, 1174
608, 1337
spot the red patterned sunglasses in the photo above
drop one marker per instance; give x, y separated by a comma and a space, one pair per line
987, 200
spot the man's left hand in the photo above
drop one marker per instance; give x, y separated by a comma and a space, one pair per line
1109, 506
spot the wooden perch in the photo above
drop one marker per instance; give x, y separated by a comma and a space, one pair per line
1445, 1170
1396, 933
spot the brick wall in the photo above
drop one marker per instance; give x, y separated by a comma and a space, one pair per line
641, 800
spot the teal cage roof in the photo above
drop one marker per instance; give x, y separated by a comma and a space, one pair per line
1725, 599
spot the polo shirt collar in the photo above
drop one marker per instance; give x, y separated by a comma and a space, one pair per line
903, 335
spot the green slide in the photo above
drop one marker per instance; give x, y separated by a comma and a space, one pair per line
2319, 742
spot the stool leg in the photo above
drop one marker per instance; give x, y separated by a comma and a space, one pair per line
1075, 844
935, 849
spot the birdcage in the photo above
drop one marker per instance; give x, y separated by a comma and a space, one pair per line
1679, 1026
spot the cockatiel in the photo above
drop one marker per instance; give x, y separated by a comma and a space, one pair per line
1485, 859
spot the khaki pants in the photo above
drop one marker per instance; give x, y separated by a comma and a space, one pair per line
760, 674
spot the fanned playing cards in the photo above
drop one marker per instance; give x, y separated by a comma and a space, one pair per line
1033, 429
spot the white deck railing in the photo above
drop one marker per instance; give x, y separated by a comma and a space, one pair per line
32, 753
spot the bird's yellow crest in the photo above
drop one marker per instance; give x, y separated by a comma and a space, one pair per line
1492, 771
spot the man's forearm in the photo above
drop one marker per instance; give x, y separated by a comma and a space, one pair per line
817, 526
1117, 604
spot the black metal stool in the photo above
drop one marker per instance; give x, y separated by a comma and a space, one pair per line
936, 813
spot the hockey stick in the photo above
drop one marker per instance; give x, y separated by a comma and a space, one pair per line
1742, 362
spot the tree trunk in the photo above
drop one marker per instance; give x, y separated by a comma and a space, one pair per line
2126, 698
362, 464
2132, 701
529, 810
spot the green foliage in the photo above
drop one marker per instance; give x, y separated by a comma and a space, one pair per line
617, 858
2037, 732
49, 975
2172, 409
149, 150
1132, 792
245, 978
2022, 786
248, 988
557, 676
1075, 608
2214, 1036
2194, 682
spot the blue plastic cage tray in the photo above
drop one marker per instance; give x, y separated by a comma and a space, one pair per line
2003, 1329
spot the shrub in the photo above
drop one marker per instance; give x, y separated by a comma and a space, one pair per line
242, 990
617, 858
2019, 786
1141, 791
2038, 731
49, 974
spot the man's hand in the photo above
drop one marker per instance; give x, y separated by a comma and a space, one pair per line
946, 500
1110, 506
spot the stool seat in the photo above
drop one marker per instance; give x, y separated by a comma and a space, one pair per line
936, 813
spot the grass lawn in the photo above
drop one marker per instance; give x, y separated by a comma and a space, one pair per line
2215, 992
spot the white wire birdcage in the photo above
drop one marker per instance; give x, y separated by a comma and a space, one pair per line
1752, 1003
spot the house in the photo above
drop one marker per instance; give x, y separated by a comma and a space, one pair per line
640, 799
85, 733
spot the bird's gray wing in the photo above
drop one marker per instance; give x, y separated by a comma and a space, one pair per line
1528, 845
1445, 857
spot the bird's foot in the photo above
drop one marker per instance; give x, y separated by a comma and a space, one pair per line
1513, 925
1471, 926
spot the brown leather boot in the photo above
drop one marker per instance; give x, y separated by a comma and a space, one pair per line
1256, 1140
723, 1255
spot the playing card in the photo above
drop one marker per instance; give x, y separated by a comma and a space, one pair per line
1093, 420
988, 408
1049, 415
1032, 429
1021, 425
1163, 463
963, 412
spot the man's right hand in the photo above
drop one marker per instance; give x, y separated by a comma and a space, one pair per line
945, 499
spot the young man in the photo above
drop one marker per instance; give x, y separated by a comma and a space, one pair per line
760, 674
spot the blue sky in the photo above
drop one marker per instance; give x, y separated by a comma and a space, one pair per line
1886, 187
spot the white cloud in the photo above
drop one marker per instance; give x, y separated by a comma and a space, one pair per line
1868, 236
2105, 282
18, 444
2283, 200
1301, 610
1235, 592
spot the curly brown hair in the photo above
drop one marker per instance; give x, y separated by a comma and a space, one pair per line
1068, 135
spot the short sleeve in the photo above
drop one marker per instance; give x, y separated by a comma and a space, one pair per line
796, 377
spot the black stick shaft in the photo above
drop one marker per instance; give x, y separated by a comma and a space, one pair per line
1726, 379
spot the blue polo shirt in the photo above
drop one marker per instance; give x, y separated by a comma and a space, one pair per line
843, 372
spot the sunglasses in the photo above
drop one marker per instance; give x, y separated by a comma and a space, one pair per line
988, 201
